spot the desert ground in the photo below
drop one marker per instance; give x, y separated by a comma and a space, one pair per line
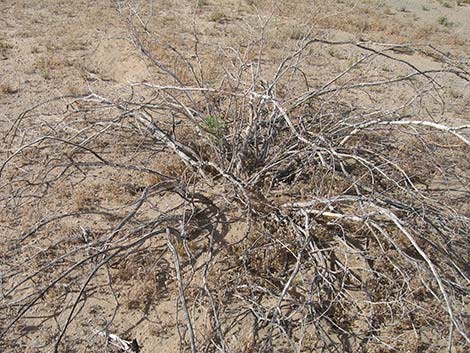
234, 176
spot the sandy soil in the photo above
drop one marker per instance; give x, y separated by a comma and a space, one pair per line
67, 48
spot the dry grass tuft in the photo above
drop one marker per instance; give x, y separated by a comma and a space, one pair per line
8, 88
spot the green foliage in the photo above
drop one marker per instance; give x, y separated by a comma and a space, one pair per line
217, 126
444, 21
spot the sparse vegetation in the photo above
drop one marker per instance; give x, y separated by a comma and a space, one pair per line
268, 188
388, 10
216, 125
444, 21
217, 16
5, 45
8, 88
297, 33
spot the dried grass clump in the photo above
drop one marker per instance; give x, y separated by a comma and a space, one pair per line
8, 88
348, 244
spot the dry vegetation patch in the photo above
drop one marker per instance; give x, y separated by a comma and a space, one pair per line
288, 177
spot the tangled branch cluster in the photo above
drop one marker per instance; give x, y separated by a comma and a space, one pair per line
352, 217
